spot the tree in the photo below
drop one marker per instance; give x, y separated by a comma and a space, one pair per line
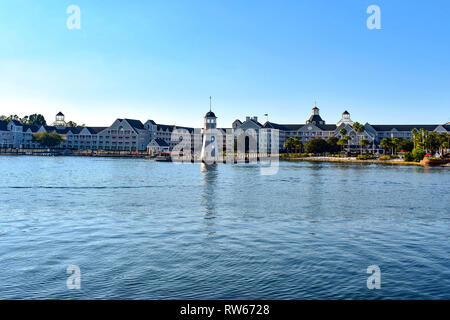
293, 143
341, 142
359, 128
418, 154
445, 145
431, 142
10, 118
386, 144
443, 138
395, 144
33, 119
347, 140
364, 143
344, 137
419, 138
333, 146
406, 145
413, 136
36, 119
48, 140
71, 124
316, 146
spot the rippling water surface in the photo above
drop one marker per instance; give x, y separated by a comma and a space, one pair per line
145, 230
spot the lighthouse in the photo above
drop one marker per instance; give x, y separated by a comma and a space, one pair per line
209, 144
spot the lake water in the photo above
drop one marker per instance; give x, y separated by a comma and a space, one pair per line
139, 229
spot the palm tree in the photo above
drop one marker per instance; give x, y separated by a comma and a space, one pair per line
386, 143
445, 145
395, 143
347, 139
364, 143
341, 142
441, 139
359, 128
413, 136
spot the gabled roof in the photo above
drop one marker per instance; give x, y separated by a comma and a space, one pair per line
164, 127
63, 130
152, 122
17, 123
32, 127
327, 127
315, 118
50, 128
95, 130
273, 125
170, 128
403, 127
256, 122
75, 130
293, 127
3, 125
160, 142
136, 124
283, 127
251, 120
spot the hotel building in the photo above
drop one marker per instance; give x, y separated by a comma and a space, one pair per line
315, 127
133, 135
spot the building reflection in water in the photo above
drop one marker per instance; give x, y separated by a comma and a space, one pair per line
210, 173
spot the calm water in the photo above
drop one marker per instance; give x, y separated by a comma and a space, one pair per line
145, 230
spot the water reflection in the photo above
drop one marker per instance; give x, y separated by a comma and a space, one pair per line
210, 173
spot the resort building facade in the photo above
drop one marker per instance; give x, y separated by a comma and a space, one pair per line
315, 127
135, 136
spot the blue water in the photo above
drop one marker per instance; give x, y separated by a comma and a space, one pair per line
146, 230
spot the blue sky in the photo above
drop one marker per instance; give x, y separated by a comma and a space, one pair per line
162, 60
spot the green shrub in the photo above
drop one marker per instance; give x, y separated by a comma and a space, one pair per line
408, 156
305, 155
316, 146
387, 157
364, 157
418, 154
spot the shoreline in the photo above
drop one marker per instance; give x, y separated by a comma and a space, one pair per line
288, 159
353, 160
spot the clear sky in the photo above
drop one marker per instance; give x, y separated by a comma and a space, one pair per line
162, 60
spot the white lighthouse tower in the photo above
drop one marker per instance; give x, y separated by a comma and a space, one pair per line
209, 144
